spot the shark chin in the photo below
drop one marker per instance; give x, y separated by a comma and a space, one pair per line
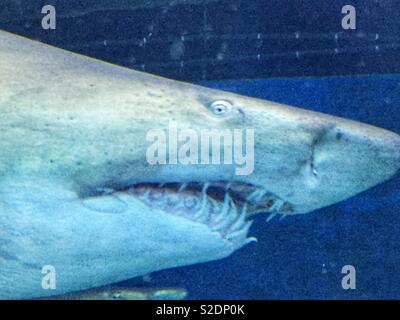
81, 205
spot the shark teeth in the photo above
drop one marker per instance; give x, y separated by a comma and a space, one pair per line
196, 204
256, 199
224, 207
198, 200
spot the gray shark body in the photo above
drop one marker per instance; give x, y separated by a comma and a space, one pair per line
73, 143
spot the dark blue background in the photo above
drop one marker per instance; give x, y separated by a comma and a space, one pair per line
223, 39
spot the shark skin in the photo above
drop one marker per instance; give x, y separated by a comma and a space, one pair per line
72, 125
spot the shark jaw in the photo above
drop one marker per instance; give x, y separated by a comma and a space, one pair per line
242, 196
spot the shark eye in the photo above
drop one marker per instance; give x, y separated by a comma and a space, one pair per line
220, 107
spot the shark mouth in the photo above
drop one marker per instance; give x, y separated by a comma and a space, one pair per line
224, 207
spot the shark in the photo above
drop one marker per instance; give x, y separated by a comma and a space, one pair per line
80, 200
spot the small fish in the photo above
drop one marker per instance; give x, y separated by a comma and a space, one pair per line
124, 293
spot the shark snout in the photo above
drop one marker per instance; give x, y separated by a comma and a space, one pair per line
349, 158
312, 160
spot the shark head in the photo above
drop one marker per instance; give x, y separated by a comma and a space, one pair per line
271, 156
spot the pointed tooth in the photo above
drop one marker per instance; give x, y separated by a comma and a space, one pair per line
271, 216
277, 205
204, 214
205, 187
225, 222
204, 201
240, 237
244, 210
241, 219
256, 195
251, 196
182, 187
222, 215
283, 216
225, 207
233, 214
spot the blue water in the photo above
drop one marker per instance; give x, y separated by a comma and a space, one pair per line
302, 257
220, 39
